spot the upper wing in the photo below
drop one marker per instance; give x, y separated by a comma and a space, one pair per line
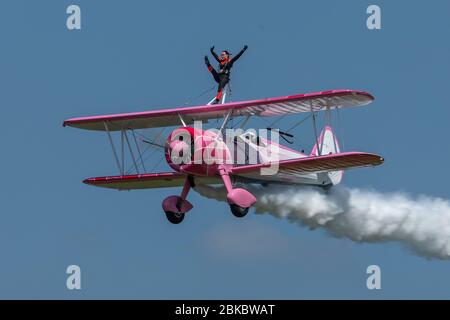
265, 107
147, 181
332, 162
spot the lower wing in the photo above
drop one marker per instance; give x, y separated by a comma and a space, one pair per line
313, 164
147, 181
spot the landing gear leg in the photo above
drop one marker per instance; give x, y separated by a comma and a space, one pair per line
240, 200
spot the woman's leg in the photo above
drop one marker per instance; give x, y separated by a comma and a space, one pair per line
222, 83
213, 72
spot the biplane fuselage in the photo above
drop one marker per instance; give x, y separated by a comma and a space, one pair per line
206, 157
206, 152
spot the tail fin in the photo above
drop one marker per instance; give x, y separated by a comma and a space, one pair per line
328, 144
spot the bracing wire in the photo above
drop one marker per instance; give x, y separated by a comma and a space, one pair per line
298, 123
142, 157
340, 130
199, 96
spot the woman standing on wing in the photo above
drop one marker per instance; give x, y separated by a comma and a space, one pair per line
222, 76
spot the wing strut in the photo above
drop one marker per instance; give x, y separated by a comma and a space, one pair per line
328, 116
122, 149
112, 146
182, 120
225, 121
225, 91
139, 150
340, 131
315, 130
131, 152
124, 139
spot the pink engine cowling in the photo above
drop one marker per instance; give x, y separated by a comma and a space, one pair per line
199, 152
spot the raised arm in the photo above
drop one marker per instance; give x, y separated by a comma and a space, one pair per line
214, 54
239, 54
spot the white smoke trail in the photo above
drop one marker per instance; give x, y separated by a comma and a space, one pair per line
422, 223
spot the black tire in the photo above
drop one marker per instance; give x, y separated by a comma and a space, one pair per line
238, 211
174, 217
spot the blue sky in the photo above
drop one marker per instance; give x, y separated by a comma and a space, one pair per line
142, 55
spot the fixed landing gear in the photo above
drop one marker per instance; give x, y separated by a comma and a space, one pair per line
238, 211
175, 217
240, 200
175, 207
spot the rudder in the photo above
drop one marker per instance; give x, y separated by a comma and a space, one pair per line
328, 144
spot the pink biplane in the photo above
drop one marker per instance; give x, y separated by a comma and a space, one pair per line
216, 161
